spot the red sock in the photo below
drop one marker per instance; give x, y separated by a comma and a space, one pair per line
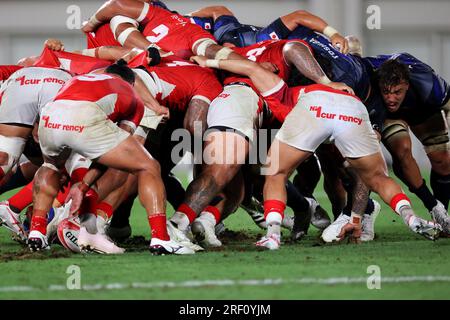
23, 198
399, 201
274, 206
158, 225
214, 211
39, 222
61, 197
106, 208
184, 208
89, 203
78, 175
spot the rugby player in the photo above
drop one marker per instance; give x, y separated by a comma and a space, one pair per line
321, 113
81, 120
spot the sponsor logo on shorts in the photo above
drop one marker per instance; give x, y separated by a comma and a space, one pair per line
24, 81
332, 116
223, 95
60, 126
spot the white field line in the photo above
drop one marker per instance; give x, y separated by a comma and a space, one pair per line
229, 283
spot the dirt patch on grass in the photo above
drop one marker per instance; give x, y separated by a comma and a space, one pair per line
26, 254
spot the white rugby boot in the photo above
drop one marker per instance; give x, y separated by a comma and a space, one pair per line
11, 221
161, 247
97, 243
440, 215
203, 230
181, 237
331, 233
271, 242
428, 229
368, 223
37, 241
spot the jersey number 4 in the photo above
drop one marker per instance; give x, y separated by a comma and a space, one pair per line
254, 53
160, 32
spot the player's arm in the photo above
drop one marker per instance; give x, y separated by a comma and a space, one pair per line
196, 116
129, 8
110, 53
311, 21
213, 12
299, 55
148, 99
263, 79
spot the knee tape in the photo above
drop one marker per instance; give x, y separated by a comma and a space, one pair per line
203, 44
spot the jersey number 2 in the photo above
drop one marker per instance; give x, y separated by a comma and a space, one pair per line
160, 32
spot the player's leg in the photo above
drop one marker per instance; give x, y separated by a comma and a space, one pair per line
373, 172
397, 140
282, 161
433, 134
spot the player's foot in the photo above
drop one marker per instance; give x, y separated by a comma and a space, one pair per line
301, 225
331, 233
59, 214
368, 223
181, 237
160, 247
219, 228
319, 217
440, 215
427, 229
271, 242
11, 220
37, 241
204, 233
256, 211
288, 222
97, 243
118, 234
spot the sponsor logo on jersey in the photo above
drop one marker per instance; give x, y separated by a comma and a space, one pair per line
24, 81
274, 36
60, 126
180, 20
332, 116
329, 50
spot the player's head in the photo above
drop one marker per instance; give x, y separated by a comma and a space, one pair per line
121, 69
393, 80
27, 61
354, 45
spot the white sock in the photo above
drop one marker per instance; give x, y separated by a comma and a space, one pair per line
181, 220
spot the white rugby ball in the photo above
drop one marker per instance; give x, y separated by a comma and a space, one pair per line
68, 231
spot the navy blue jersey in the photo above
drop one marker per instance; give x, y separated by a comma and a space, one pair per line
206, 23
427, 94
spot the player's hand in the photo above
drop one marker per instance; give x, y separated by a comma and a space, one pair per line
200, 60
270, 67
339, 42
163, 111
87, 27
353, 231
76, 194
54, 44
341, 86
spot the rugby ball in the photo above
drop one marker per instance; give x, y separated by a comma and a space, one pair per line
68, 231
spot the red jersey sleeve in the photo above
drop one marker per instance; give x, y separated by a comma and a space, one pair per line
209, 88
134, 118
7, 71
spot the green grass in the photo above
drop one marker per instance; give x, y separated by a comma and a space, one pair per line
397, 251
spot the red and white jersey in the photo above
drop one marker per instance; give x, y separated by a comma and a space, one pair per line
172, 32
112, 95
72, 62
265, 51
174, 83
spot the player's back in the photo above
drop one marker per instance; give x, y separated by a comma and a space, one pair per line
172, 31
180, 81
113, 95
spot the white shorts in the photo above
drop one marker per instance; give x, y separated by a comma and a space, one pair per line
237, 107
27, 91
321, 116
80, 126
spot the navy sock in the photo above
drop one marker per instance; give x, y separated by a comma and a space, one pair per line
370, 207
295, 199
441, 187
425, 195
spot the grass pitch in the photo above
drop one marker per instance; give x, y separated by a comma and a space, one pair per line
411, 267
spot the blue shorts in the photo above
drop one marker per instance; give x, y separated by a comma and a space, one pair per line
229, 29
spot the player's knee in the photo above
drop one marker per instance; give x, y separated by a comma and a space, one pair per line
440, 162
402, 152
